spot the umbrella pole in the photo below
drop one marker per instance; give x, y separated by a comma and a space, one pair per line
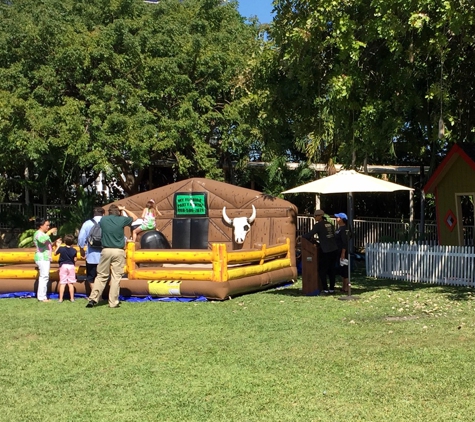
349, 199
351, 211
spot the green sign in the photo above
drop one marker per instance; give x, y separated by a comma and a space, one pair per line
191, 204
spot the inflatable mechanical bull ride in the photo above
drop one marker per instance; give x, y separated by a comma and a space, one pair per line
212, 239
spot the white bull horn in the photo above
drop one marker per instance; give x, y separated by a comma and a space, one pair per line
253, 216
226, 218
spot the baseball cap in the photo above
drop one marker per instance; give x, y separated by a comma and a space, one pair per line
319, 212
341, 215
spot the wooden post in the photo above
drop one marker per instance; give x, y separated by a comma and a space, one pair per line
310, 280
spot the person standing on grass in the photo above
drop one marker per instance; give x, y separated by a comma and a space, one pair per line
149, 214
111, 264
341, 237
328, 249
67, 267
44, 248
92, 254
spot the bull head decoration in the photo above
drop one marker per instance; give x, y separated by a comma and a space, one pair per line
241, 225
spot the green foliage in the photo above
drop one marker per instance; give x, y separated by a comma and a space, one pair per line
81, 211
90, 86
368, 81
3, 188
119, 86
12, 218
25, 240
277, 176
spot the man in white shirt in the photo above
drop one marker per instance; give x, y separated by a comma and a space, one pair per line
92, 254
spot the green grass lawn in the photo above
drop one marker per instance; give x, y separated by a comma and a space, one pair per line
402, 352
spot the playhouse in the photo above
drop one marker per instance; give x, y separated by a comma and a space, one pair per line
453, 184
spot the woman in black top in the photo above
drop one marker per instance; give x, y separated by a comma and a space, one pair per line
341, 237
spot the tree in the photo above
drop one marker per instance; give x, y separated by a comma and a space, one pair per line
372, 79
95, 86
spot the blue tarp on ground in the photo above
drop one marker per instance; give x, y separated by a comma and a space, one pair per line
163, 299
25, 295
20, 295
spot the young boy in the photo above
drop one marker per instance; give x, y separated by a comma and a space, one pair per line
67, 270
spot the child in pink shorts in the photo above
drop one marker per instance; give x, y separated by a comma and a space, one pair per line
67, 269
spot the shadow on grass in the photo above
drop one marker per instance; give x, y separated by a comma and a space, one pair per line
457, 293
286, 291
362, 284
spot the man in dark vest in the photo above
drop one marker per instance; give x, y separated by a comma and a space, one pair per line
112, 259
328, 249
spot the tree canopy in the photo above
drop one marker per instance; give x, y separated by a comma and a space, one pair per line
89, 86
372, 79
120, 86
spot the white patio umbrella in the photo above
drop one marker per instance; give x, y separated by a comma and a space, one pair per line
348, 181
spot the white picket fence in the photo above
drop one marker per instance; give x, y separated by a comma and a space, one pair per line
444, 265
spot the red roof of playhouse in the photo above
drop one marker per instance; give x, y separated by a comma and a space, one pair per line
464, 151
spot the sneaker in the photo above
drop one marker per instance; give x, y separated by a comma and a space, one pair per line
91, 304
325, 291
332, 291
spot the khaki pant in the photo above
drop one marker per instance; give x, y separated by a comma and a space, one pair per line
110, 265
